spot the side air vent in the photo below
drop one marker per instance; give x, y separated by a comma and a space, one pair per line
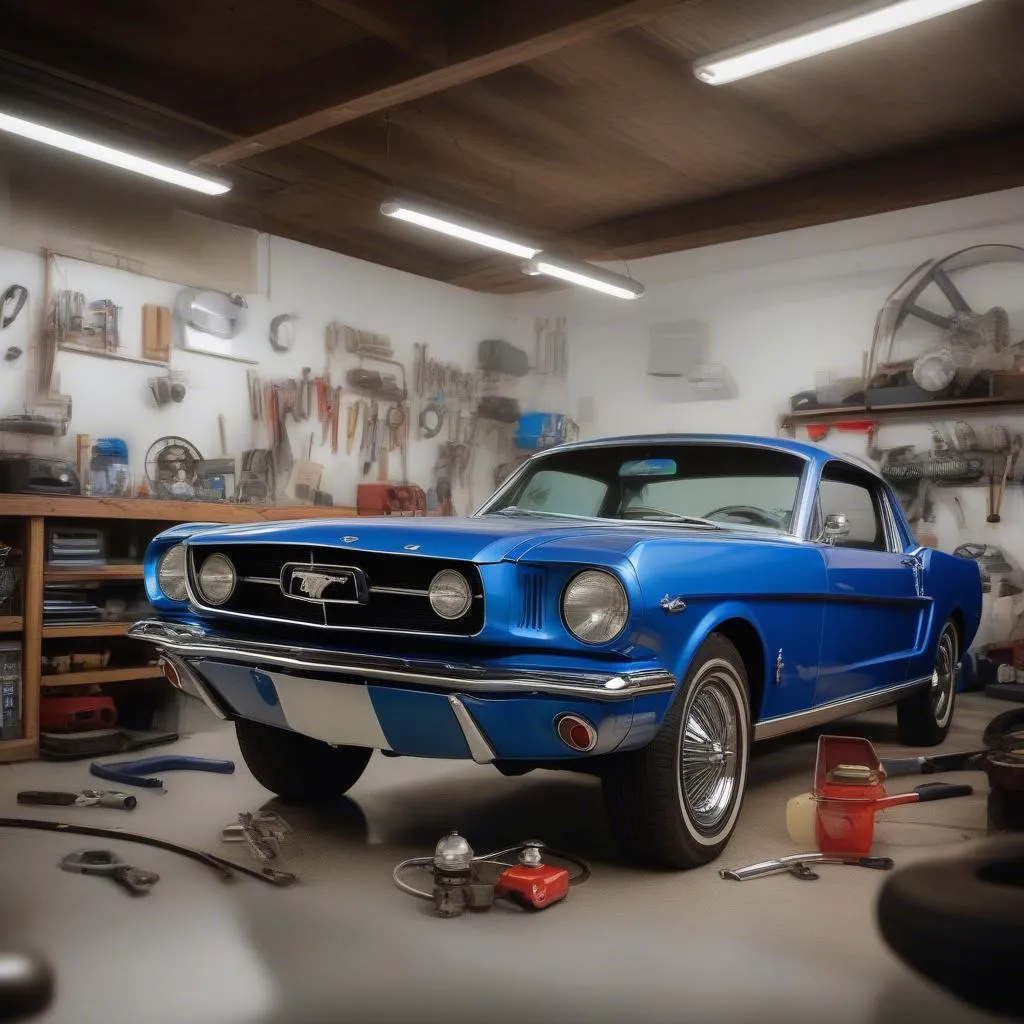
531, 615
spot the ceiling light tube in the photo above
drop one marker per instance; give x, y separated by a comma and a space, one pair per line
424, 219
108, 155
584, 274
855, 25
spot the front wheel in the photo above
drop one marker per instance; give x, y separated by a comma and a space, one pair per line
675, 802
924, 718
299, 769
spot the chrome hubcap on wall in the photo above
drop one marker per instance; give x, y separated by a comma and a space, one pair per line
944, 676
709, 761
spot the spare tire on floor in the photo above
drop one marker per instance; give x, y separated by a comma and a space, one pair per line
960, 922
1005, 731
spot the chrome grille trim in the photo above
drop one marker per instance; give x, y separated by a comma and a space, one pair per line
418, 621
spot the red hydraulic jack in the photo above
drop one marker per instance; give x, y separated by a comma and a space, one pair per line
463, 881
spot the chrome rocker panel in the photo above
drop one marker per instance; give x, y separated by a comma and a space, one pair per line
190, 641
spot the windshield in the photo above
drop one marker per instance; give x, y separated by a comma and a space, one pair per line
710, 486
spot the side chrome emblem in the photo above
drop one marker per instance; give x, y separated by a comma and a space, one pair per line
779, 666
349, 540
412, 547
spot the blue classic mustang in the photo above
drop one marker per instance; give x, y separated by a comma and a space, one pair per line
642, 608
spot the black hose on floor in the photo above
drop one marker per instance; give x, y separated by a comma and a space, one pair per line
224, 868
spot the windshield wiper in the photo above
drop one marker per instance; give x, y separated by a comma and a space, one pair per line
670, 517
515, 510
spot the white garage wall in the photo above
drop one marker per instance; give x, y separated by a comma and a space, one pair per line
111, 398
776, 310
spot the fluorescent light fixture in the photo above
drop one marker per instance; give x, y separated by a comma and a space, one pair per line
585, 275
856, 24
108, 155
402, 211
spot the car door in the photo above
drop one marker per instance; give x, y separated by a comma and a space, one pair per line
874, 603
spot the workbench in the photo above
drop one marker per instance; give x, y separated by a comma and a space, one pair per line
23, 523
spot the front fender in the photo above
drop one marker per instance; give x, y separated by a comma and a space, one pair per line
710, 619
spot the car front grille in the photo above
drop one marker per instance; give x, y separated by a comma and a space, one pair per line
396, 598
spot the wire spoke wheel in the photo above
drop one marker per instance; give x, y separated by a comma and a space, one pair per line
709, 756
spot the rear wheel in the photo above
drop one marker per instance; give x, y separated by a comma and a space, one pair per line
924, 718
675, 803
297, 768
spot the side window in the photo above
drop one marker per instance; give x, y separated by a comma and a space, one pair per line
846, 492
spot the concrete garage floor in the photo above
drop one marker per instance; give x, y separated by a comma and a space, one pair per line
346, 945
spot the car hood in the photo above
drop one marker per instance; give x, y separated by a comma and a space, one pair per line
480, 539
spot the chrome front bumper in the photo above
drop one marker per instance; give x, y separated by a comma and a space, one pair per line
187, 640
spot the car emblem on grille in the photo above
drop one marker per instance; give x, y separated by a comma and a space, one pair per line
315, 583
325, 584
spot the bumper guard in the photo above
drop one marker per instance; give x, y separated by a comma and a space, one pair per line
190, 641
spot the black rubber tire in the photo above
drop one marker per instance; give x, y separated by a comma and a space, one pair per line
916, 715
1005, 731
959, 923
642, 789
300, 770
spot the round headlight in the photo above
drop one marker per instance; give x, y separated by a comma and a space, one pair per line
450, 595
216, 579
595, 607
170, 573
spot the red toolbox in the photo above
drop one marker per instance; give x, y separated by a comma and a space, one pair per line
74, 714
382, 499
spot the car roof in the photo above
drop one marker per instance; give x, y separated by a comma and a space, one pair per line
812, 452
801, 448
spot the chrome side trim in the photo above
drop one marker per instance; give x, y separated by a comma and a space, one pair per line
479, 749
192, 685
193, 642
772, 727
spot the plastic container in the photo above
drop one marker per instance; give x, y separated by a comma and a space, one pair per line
849, 782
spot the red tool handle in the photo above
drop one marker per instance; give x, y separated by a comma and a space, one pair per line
929, 791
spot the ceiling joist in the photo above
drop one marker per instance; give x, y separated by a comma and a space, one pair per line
493, 41
411, 26
971, 165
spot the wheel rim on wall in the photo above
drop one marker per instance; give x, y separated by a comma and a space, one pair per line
709, 760
944, 675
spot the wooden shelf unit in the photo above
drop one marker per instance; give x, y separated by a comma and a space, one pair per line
78, 629
18, 750
789, 422
33, 512
96, 573
102, 676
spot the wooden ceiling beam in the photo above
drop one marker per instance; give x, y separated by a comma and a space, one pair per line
502, 37
954, 169
415, 27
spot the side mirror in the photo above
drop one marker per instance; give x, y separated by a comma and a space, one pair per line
836, 525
